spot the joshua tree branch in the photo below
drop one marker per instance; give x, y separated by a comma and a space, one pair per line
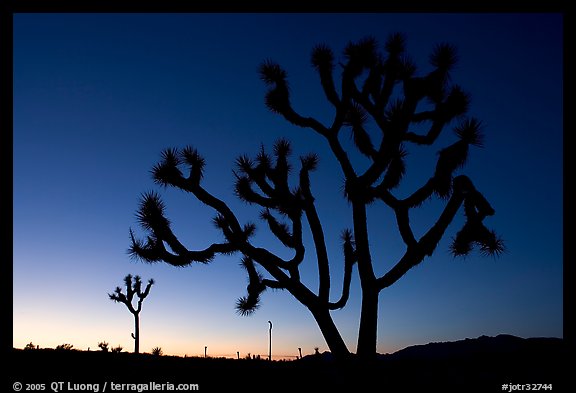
420, 195
403, 220
147, 290
430, 137
375, 112
236, 237
218, 205
154, 251
333, 141
427, 243
323, 60
401, 211
349, 260
341, 303
321, 252
273, 284
245, 192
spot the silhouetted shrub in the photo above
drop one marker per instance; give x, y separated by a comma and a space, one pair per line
117, 349
103, 346
30, 346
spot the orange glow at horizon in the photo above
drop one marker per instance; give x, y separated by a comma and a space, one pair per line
48, 330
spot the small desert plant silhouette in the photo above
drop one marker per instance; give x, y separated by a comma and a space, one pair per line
157, 351
103, 346
64, 347
30, 346
117, 349
133, 288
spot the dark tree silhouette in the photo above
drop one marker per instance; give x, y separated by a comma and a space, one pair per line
133, 288
380, 86
103, 345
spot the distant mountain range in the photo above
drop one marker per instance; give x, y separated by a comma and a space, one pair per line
483, 364
502, 345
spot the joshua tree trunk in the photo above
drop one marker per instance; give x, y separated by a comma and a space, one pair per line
367, 333
136, 335
330, 333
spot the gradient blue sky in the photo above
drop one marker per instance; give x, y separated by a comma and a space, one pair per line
98, 96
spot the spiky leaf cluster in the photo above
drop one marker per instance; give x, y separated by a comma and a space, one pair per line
246, 305
133, 286
264, 181
474, 233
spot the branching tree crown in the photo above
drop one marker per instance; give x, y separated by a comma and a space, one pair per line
377, 85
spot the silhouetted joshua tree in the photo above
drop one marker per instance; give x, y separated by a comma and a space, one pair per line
133, 288
30, 346
103, 345
375, 85
64, 347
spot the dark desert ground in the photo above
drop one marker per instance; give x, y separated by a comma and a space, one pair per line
483, 364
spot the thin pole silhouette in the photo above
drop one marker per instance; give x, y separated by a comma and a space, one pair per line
300, 351
270, 346
205, 348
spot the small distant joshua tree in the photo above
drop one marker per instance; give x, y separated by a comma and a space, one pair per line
133, 287
64, 347
117, 349
103, 346
30, 346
